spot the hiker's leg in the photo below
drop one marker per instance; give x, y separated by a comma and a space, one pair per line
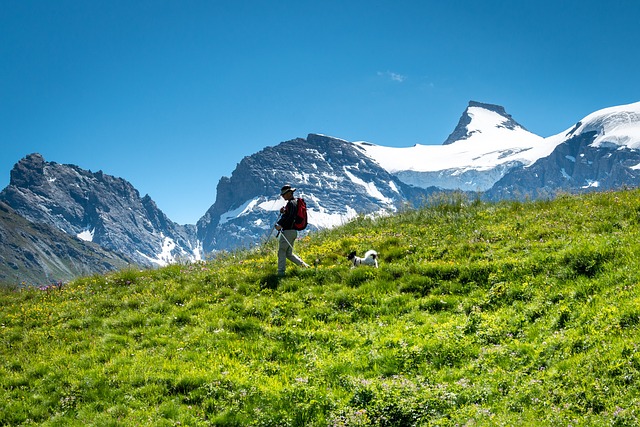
282, 254
291, 236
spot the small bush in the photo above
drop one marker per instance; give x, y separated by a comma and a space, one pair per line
587, 259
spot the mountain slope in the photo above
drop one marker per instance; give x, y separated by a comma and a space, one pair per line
97, 207
37, 254
333, 176
514, 314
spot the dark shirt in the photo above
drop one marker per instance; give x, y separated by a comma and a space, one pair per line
289, 216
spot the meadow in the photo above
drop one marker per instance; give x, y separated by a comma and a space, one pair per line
481, 314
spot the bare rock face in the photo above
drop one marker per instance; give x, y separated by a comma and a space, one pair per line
575, 166
37, 254
97, 207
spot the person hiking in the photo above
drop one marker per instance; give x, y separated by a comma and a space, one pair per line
287, 232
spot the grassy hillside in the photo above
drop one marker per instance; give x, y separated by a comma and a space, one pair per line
480, 314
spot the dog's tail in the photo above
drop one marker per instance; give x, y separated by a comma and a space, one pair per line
373, 254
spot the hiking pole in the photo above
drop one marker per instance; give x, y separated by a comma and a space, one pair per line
267, 239
270, 233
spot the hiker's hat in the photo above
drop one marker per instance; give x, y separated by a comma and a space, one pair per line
284, 190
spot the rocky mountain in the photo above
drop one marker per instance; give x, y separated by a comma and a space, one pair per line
600, 152
468, 125
488, 154
336, 178
99, 208
38, 254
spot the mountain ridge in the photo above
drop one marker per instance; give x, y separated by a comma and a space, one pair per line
98, 207
489, 155
38, 254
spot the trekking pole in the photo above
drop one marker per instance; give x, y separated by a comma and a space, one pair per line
270, 233
267, 238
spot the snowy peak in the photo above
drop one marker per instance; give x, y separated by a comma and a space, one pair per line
485, 145
614, 126
599, 153
480, 117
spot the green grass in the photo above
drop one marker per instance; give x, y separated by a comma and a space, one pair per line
480, 314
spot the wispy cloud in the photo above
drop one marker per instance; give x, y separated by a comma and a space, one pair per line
392, 76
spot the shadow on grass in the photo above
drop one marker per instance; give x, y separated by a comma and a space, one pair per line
270, 281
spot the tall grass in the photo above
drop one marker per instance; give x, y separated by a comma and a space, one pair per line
480, 314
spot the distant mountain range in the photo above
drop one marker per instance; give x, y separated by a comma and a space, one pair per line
488, 154
99, 208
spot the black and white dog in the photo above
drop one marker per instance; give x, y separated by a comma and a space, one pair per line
370, 258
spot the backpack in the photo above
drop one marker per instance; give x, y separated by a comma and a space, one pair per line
300, 223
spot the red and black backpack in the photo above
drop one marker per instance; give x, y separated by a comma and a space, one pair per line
300, 223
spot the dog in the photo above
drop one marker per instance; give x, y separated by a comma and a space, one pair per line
370, 258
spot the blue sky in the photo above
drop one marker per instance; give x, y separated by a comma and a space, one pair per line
171, 95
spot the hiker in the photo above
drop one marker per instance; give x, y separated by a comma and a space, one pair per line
287, 232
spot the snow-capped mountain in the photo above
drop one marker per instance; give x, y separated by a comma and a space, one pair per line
336, 178
488, 154
485, 145
99, 208
600, 152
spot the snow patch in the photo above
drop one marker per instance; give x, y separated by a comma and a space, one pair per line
165, 257
323, 219
245, 208
272, 205
370, 187
86, 235
301, 178
591, 184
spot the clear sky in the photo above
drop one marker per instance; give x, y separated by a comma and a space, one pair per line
171, 95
